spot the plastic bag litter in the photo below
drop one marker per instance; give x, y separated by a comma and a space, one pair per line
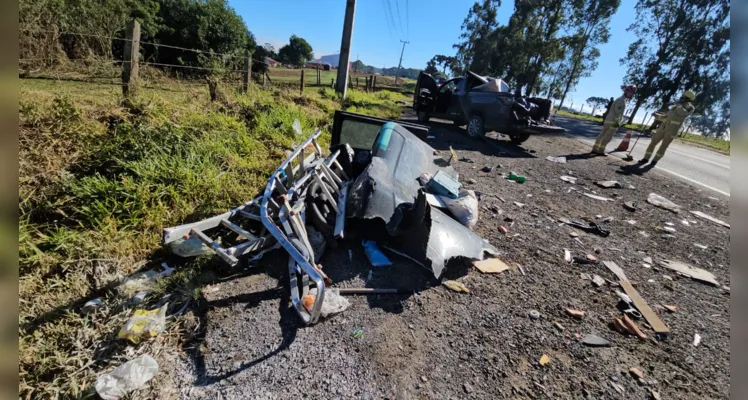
375, 255
144, 322
143, 280
662, 202
464, 207
190, 247
332, 304
127, 377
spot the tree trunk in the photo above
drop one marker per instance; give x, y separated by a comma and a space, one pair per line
635, 110
568, 82
594, 109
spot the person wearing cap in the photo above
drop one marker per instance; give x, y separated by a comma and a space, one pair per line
671, 124
612, 120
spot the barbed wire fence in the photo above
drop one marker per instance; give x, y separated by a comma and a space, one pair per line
128, 73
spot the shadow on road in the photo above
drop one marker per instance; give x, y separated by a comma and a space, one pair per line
288, 320
636, 169
447, 134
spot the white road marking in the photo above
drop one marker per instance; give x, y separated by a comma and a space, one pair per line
693, 181
660, 168
700, 159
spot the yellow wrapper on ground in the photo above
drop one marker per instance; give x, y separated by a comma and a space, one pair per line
144, 323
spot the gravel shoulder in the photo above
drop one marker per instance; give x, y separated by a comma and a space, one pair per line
432, 343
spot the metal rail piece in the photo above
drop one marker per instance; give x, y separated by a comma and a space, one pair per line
277, 218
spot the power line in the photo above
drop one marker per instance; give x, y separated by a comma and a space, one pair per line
399, 20
386, 19
392, 15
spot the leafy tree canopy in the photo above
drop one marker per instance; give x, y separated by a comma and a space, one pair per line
297, 52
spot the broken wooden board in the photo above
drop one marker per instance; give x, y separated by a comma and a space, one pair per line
654, 321
614, 268
690, 271
710, 218
491, 266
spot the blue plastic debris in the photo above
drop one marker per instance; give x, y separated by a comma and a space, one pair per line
375, 256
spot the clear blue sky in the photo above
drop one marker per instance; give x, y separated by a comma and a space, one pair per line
431, 26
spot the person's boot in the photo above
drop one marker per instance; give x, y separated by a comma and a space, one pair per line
643, 161
653, 163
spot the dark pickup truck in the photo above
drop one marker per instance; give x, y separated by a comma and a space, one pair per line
484, 105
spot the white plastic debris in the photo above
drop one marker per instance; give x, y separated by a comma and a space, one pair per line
464, 207
92, 305
701, 246
333, 303
696, 339
142, 280
659, 201
567, 256
596, 197
561, 160
624, 297
296, 126
669, 229
570, 179
645, 265
127, 377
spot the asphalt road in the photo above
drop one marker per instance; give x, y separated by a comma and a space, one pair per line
696, 165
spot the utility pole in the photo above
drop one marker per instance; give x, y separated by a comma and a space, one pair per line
397, 75
345, 47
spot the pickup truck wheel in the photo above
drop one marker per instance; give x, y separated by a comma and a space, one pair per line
423, 116
518, 139
475, 126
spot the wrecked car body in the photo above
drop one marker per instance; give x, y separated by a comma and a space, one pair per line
370, 177
389, 190
484, 104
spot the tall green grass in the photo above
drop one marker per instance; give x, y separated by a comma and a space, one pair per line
99, 180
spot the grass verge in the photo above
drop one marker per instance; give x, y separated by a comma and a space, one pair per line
720, 145
99, 180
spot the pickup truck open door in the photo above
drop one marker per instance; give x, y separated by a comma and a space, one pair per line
424, 98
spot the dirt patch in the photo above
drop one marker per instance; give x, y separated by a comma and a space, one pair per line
433, 343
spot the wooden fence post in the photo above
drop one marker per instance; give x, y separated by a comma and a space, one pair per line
247, 72
319, 77
357, 85
350, 82
374, 84
301, 87
131, 56
332, 83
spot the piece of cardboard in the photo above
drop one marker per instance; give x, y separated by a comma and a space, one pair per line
491, 266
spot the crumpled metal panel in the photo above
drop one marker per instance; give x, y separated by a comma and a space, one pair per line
388, 189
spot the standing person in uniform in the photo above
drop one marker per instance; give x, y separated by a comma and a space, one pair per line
612, 120
671, 124
607, 108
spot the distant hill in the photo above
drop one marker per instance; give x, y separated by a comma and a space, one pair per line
360, 66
